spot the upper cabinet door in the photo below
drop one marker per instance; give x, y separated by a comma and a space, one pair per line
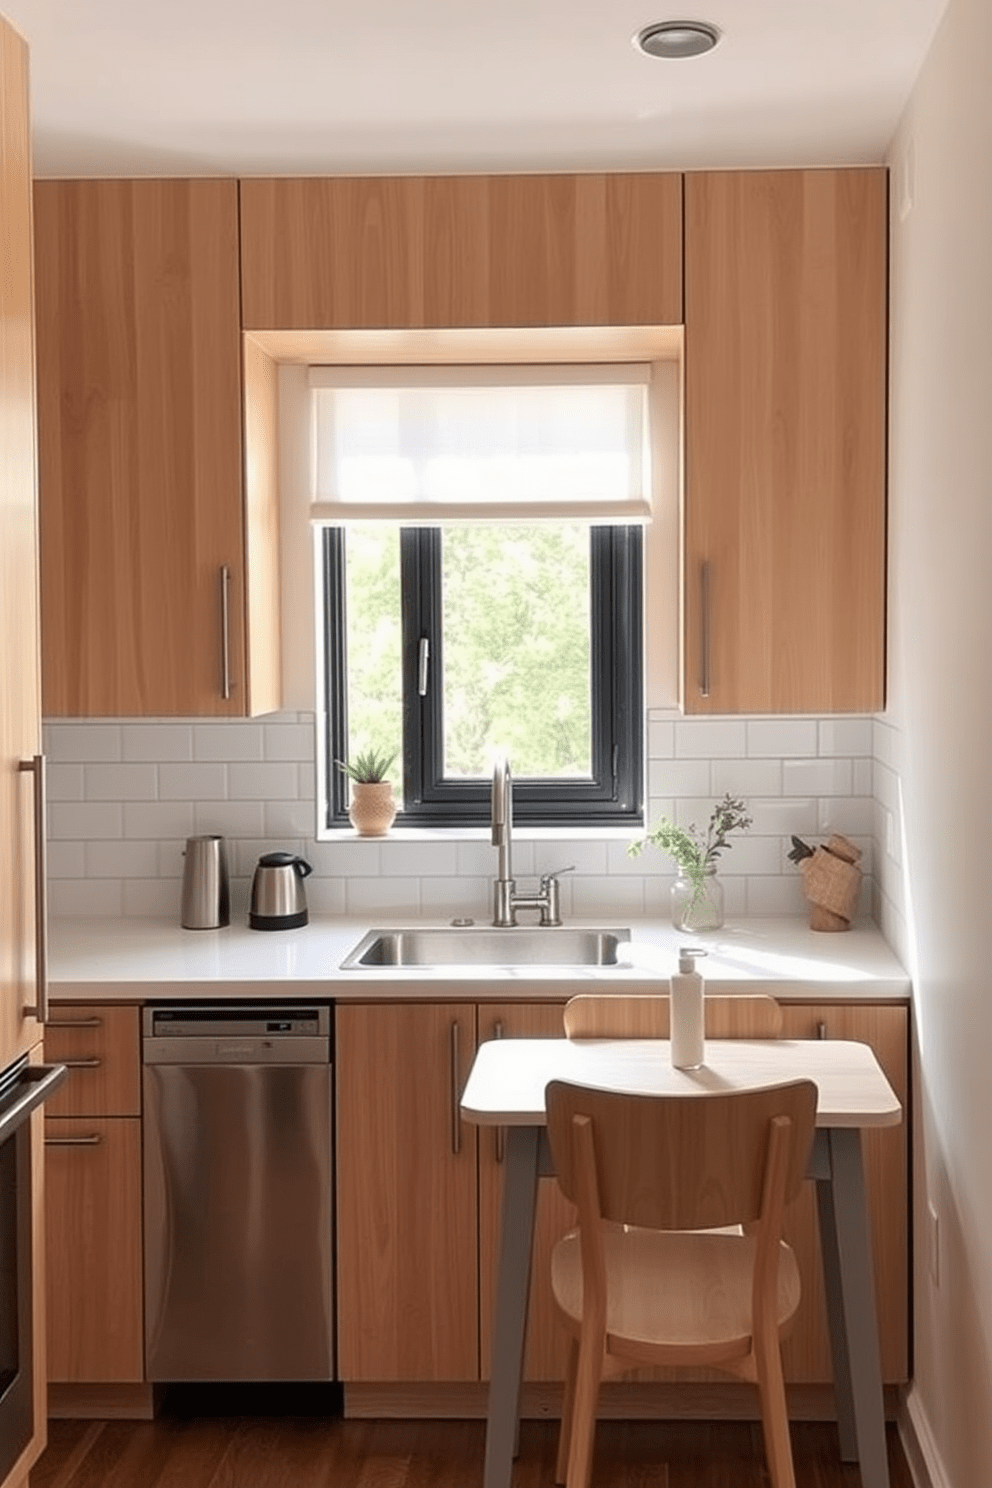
461, 251
20, 714
139, 378
784, 520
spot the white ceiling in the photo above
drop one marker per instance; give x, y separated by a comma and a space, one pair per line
320, 87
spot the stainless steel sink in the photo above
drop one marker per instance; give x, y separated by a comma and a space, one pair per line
471, 946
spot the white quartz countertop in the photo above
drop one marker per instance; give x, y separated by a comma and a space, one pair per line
140, 960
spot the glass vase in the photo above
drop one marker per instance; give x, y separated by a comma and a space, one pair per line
697, 907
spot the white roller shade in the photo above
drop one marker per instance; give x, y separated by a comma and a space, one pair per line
445, 444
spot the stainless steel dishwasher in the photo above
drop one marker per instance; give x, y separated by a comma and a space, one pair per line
238, 1192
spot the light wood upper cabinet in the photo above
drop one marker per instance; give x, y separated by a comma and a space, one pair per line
461, 251
407, 1195
140, 443
785, 365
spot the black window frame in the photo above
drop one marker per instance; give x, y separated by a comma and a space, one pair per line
612, 796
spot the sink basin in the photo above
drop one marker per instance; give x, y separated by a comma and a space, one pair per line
457, 945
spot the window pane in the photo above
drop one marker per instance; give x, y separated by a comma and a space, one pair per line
517, 649
375, 687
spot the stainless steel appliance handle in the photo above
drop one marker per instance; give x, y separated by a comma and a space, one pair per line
40, 1080
704, 607
36, 767
93, 1140
225, 631
456, 1115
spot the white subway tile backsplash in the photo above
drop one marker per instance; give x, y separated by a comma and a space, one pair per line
124, 796
120, 782
192, 782
418, 859
272, 781
81, 743
679, 777
64, 782
288, 741
286, 818
466, 898
122, 860
710, 738
375, 897
746, 777
232, 740
159, 898
851, 736
817, 777
72, 898
661, 738
156, 741
84, 819
158, 819
781, 737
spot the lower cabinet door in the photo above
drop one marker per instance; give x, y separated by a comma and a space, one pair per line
94, 1267
407, 1194
806, 1352
547, 1342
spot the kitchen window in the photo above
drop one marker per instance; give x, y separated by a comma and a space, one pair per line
480, 564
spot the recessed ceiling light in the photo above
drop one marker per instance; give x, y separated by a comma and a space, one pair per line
677, 38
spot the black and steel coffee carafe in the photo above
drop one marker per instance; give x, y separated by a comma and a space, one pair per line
278, 899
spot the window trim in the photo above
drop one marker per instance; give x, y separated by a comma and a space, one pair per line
615, 794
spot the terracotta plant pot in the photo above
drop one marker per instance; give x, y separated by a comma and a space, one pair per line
373, 807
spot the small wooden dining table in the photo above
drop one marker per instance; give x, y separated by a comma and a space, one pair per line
506, 1088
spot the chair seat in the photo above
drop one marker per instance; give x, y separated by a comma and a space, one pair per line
688, 1291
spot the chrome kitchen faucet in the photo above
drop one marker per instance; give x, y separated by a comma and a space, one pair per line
506, 900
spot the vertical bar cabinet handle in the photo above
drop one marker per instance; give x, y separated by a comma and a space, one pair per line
36, 767
704, 620
225, 631
456, 1115
500, 1130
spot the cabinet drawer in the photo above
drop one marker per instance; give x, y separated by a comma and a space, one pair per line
100, 1045
93, 1265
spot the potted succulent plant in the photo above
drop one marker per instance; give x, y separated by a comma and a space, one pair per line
697, 894
372, 809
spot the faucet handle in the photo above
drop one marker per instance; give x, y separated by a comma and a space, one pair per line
555, 873
550, 909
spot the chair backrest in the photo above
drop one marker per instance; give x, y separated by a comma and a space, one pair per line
623, 1015
679, 1162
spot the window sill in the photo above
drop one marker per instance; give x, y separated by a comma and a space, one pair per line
398, 833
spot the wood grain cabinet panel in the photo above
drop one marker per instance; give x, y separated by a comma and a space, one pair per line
785, 367
407, 1198
547, 1343
94, 1257
101, 1046
140, 448
461, 251
806, 1353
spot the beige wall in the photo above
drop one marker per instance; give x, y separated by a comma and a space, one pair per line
941, 707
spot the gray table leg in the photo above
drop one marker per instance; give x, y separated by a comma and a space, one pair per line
512, 1288
847, 1268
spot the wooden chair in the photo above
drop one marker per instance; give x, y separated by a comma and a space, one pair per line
619, 1015
647, 1278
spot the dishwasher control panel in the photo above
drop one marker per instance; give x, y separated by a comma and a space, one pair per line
236, 1033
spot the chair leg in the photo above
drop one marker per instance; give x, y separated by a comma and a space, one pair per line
583, 1422
775, 1417
567, 1411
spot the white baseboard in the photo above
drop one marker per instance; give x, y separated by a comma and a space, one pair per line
917, 1439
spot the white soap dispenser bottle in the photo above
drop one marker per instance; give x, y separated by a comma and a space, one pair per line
687, 1022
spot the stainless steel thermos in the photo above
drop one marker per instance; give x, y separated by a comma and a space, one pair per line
206, 895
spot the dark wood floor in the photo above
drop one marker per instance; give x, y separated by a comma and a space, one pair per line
187, 1447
